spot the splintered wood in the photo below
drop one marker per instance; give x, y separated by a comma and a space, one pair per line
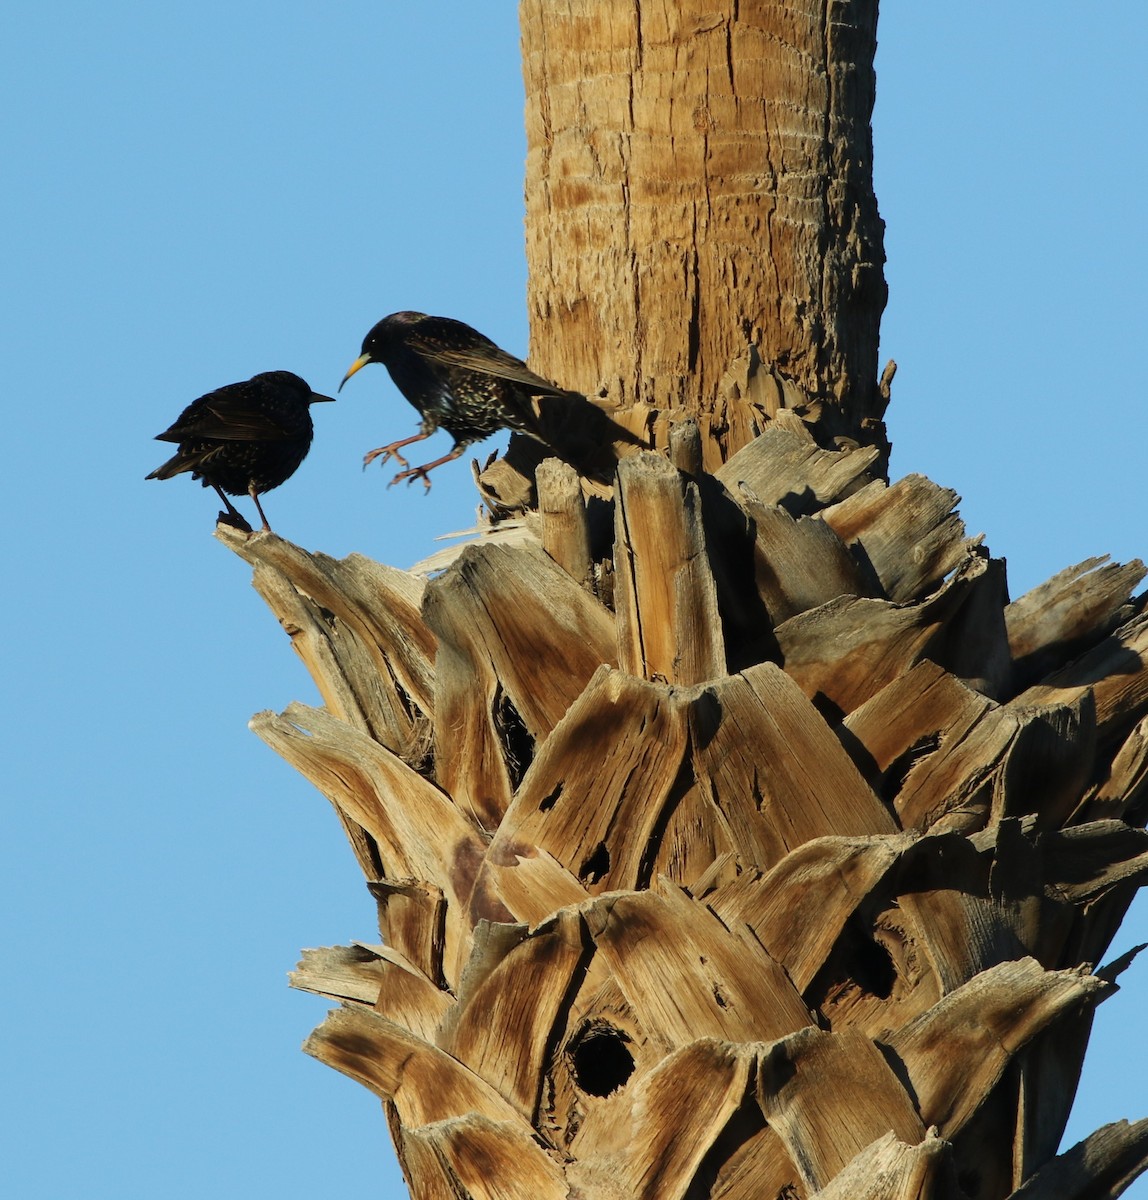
756, 846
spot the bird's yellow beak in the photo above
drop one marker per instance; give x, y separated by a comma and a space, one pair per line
357, 365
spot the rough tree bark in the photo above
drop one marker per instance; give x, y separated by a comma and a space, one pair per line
699, 181
732, 833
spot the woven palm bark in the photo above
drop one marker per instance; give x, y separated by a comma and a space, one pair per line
751, 844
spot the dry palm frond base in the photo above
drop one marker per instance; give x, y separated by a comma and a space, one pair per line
735, 838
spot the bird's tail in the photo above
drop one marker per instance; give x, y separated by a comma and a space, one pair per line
174, 466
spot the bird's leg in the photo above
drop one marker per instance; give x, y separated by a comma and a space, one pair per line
423, 472
255, 496
232, 516
392, 451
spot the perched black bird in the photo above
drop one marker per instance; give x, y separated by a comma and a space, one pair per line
457, 379
245, 437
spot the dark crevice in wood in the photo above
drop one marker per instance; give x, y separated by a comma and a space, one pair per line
869, 963
893, 778
596, 866
746, 1124
746, 626
517, 744
677, 791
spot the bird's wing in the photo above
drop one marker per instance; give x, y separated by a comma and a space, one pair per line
192, 459
488, 358
224, 418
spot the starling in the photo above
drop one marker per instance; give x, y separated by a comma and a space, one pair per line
457, 379
245, 437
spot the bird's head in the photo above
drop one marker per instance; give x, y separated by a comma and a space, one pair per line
383, 339
290, 383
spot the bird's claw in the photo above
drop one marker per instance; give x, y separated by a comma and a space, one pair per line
236, 520
411, 475
385, 453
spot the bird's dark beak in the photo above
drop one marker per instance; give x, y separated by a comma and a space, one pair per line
357, 365
318, 397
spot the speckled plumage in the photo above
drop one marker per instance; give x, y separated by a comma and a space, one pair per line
456, 378
244, 438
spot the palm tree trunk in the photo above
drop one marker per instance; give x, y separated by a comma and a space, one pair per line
732, 833
699, 181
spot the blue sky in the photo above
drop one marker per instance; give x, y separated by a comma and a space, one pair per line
199, 192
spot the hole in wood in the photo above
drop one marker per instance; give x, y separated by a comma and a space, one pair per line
872, 967
548, 802
517, 744
859, 965
596, 866
600, 1060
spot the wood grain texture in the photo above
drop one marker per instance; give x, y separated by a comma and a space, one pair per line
774, 771
798, 909
668, 624
785, 466
511, 999
517, 641
1116, 669
1100, 1166
1060, 618
888, 1169
828, 1096
565, 536
674, 961
845, 651
984, 1023
597, 791
699, 181
908, 532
